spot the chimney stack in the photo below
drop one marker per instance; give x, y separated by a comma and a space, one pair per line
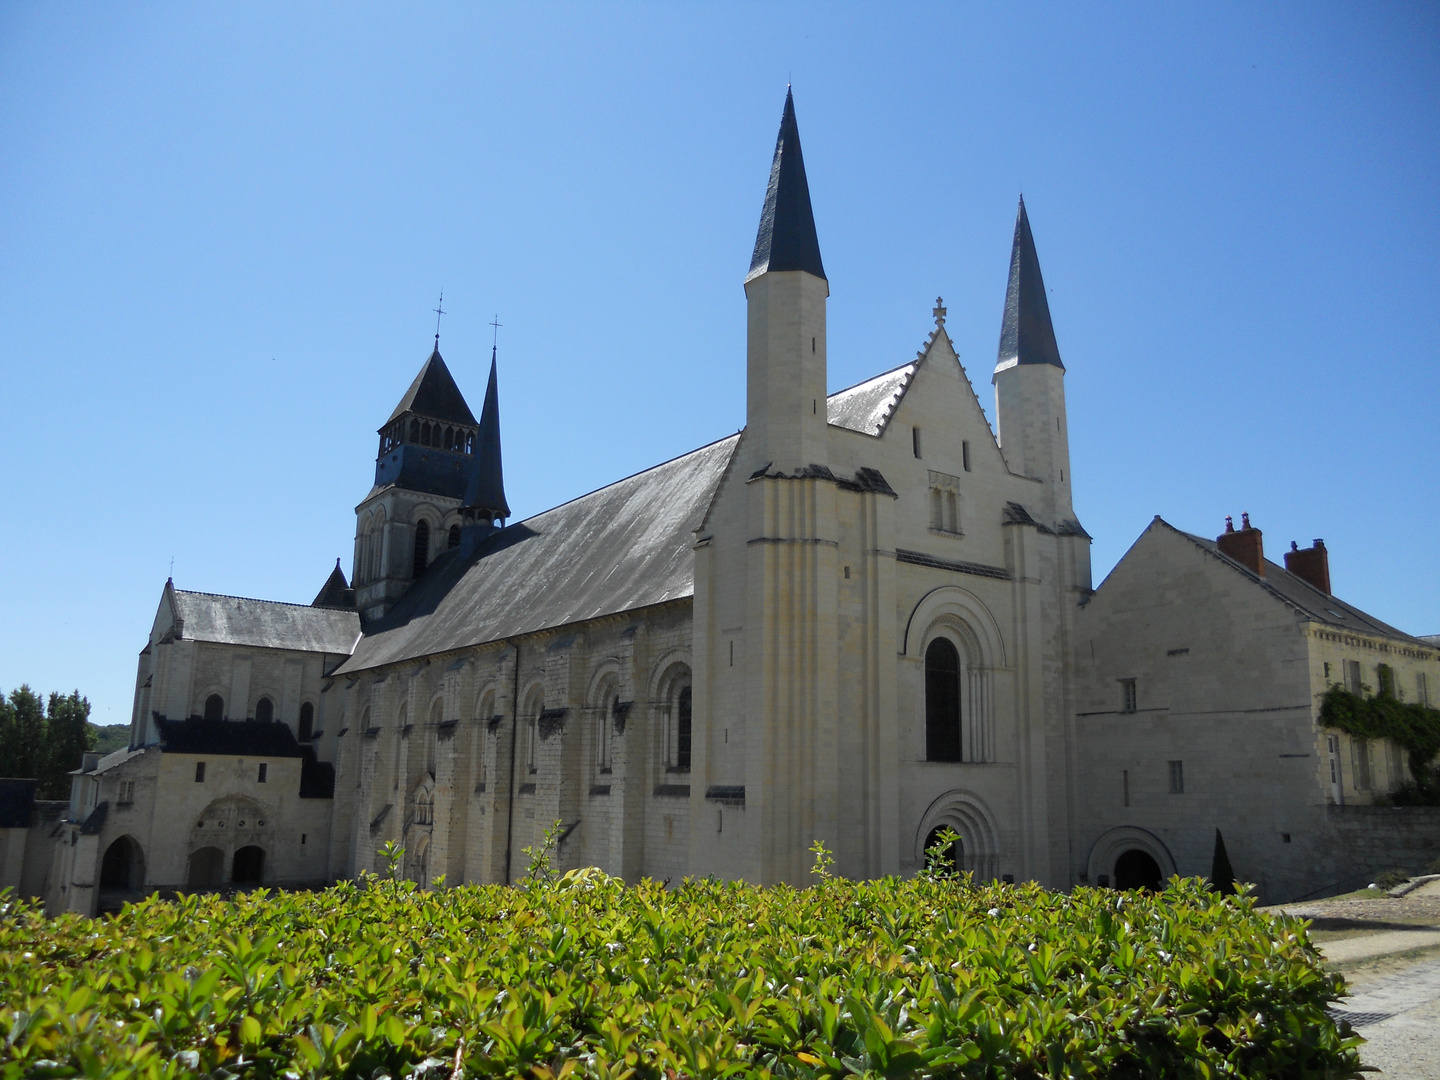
1310, 564
1245, 545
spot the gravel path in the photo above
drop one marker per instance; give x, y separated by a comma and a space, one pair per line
1399, 1016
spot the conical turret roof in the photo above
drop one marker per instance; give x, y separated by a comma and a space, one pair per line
434, 394
787, 239
486, 487
1026, 334
336, 592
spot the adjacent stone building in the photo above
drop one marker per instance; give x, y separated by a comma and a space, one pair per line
858, 626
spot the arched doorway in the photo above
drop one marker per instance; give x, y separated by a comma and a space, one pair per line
952, 860
249, 866
123, 867
207, 870
1136, 869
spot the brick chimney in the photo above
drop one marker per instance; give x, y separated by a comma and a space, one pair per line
1310, 564
1245, 545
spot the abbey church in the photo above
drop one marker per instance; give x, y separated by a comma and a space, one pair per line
858, 625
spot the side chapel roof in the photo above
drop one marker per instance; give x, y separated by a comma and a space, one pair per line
434, 394
626, 546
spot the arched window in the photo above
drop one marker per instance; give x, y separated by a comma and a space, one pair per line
123, 866
307, 721
683, 731
454, 539
432, 736
942, 701
414, 431
422, 547
425, 433
469, 442
214, 707
265, 710
449, 438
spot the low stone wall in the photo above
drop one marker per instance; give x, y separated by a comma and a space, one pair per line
1364, 841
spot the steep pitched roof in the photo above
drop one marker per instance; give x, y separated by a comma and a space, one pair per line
267, 624
623, 547
1026, 333
434, 394
336, 592
1300, 594
234, 738
867, 407
17, 802
485, 490
787, 238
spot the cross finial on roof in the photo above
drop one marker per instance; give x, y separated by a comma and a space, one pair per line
939, 312
439, 310
495, 332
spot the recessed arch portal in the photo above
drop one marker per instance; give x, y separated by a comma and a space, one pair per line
966, 813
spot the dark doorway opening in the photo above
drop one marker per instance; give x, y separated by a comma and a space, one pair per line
1136, 869
207, 870
952, 858
249, 866
123, 866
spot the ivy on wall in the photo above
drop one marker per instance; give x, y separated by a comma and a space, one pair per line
1414, 727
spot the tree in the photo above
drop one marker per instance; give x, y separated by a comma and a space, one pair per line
67, 737
1222, 876
22, 733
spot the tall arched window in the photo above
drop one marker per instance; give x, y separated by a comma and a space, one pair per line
942, 702
422, 547
414, 431
425, 433
683, 731
265, 710
214, 707
307, 721
454, 538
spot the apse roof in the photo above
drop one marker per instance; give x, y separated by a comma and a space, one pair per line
434, 394
626, 546
266, 624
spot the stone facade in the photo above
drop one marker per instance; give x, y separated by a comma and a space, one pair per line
857, 626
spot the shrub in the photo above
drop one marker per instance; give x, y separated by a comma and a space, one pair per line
1391, 878
588, 977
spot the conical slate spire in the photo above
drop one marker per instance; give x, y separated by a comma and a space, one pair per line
1026, 334
787, 239
485, 490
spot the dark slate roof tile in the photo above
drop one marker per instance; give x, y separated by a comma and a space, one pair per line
434, 394
625, 546
787, 239
1026, 334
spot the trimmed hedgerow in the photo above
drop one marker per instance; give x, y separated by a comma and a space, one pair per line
588, 977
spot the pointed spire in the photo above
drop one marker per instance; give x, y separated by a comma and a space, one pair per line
434, 394
336, 592
486, 489
1026, 334
787, 240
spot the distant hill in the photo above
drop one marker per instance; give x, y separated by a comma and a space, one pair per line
111, 737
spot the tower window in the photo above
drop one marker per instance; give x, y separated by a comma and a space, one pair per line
199, 772
422, 548
683, 731
942, 701
265, 710
414, 431
425, 434
453, 541
965, 455
214, 707
307, 721
1129, 699
915, 440
260, 776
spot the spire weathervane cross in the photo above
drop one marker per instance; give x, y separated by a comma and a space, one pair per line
439, 310
495, 334
939, 312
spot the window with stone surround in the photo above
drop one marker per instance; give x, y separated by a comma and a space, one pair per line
1360, 763
944, 503
214, 707
1353, 682
422, 548
1177, 777
1129, 697
942, 701
265, 711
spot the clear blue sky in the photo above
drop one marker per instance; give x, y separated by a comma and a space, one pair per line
223, 228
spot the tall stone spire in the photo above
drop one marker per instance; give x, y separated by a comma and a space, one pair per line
787, 239
485, 491
1026, 334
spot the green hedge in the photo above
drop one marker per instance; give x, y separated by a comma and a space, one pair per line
589, 977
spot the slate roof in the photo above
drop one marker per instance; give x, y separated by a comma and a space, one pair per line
17, 801
1300, 594
786, 239
336, 592
1026, 333
434, 394
114, 758
1431, 639
485, 489
623, 547
236, 738
268, 624
868, 406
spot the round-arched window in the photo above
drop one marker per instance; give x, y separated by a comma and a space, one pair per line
942, 701
307, 721
214, 707
265, 710
422, 547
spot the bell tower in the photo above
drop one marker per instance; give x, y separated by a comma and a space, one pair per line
427, 450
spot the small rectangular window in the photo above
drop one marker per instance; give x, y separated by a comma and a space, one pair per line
915, 440
1177, 778
1130, 701
965, 456
1422, 691
1360, 763
1125, 784
1385, 676
264, 768
199, 772
127, 792
1327, 669
1352, 677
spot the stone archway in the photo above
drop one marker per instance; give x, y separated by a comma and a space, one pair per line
1119, 843
978, 850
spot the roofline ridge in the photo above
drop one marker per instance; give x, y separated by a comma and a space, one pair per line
872, 378
259, 600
